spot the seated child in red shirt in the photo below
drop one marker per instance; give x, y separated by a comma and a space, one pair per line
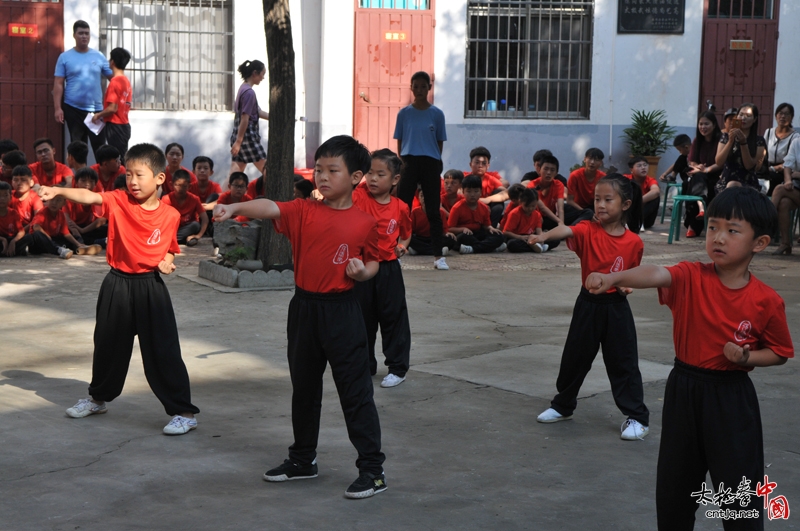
493, 187
207, 190
514, 192
108, 168
383, 297
650, 194
134, 300
333, 246
555, 211
193, 216
13, 241
25, 202
452, 189
469, 221
421, 242
174, 153
524, 221
46, 171
725, 323
237, 183
581, 182
85, 223
11, 160
51, 235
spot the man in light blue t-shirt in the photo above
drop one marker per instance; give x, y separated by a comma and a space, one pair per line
81, 68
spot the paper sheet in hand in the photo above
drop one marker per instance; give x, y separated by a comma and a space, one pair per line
94, 127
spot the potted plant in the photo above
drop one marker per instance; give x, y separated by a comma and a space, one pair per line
648, 136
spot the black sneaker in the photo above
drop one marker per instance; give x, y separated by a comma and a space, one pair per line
289, 470
366, 485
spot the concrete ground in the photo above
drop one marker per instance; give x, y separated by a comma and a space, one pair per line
464, 450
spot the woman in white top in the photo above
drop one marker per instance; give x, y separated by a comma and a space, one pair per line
786, 196
779, 139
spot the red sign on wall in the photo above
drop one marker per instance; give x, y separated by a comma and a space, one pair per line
23, 30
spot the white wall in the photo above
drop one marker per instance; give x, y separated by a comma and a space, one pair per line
788, 66
337, 68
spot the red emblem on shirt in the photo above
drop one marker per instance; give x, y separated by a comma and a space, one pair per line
392, 227
618, 265
743, 332
342, 254
154, 238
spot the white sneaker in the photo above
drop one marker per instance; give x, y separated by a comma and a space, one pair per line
86, 407
64, 253
502, 247
632, 430
537, 248
180, 425
445, 251
545, 247
440, 264
392, 380
550, 415
411, 251
466, 249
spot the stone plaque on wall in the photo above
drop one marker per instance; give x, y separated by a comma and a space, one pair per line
651, 16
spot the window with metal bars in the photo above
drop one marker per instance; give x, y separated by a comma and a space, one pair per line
529, 59
181, 51
394, 4
741, 9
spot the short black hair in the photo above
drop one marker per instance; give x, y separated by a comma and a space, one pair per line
181, 174
121, 57
305, 187
480, 151
106, 153
297, 177
458, 175
121, 182
7, 145
238, 176
23, 170
390, 158
15, 158
79, 151
172, 145
149, 155
528, 196
5, 187
541, 154
421, 75
39, 141
595, 153
356, 156
748, 204
634, 160
682, 140
515, 190
471, 182
202, 158
550, 159
79, 24
86, 173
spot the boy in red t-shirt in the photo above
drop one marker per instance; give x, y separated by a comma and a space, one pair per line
514, 193
207, 190
85, 223
524, 221
383, 297
24, 201
494, 188
194, 220
133, 299
650, 193
13, 241
117, 103
51, 235
108, 168
452, 189
46, 171
725, 322
333, 244
77, 154
469, 221
237, 183
581, 183
421, 242
555, 211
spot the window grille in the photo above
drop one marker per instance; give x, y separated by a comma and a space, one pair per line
181, 51
395, 4
762, 9
529, 59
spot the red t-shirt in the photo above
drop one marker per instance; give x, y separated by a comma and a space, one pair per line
553, 193
582, 189
60, 173
446, 204
167, 186
601, 252
461, 215
252, 191
419, 221
509, 207
53, 223
490, 182
27, 207
646, 184
212, 187
521, 223
394, 221
10, 224
106, 186
324, 240
138, 239
706, 315
83, 215
225, 199
190, 210
119, 92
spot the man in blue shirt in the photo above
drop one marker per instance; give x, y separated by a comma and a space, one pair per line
81, 68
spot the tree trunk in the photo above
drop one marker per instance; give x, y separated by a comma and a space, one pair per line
275, 248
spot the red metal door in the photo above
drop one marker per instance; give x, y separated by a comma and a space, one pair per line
390, 46
740, 45
27, 64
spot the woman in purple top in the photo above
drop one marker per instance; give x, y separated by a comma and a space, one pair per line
245, 137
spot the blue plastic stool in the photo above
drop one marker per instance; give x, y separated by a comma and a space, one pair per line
666, 195
677, 214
